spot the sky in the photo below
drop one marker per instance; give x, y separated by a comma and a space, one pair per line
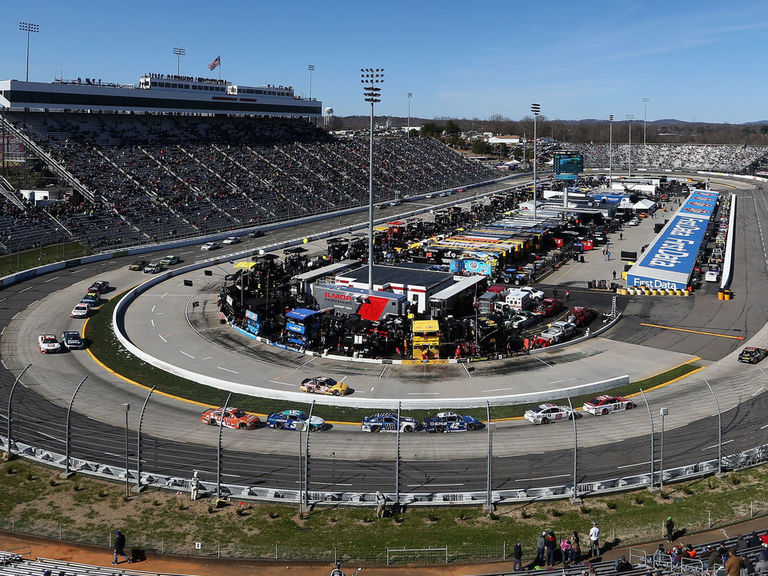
693, 60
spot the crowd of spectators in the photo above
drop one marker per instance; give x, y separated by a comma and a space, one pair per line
721, 158
152, 177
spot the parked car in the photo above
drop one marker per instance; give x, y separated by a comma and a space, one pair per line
712, 275
535, 293
451, 422
548, 307
604, 404
752, 354
559, 331
546, 413
388, 422
233, 418
521, 320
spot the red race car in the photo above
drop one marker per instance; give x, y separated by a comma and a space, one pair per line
233, 418
548, 307
602, 405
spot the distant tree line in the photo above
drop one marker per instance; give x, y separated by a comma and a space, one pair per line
578, 131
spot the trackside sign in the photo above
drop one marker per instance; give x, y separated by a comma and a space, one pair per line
670, 258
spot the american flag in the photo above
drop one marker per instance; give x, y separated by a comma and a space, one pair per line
216, 62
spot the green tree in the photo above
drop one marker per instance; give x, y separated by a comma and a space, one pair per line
481, 147
452, 130
431, 130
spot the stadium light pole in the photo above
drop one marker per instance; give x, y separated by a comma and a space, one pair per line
645, 117
663, 412
536, 109
630, 117
126, 409
311, 68
371, 78
408, 133
610, 151
179, 53
28, 27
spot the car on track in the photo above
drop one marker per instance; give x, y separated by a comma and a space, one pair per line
48, 344
93, 299
153, 268
604, 404
324, 385
72, 340
752, 354
100, 286
231, 240
233, 418
294, 420
546, 413
137, 265
388, 422
256, 234
210, 246
170, 260
451, 422
81, 310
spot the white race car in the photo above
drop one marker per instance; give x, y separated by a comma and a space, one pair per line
47, 344
546, 413
231, 240
209, 246
81, 310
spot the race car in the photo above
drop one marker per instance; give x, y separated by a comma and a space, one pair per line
47, 344
752, 354
451, 422
81, 310
137, 265
91, 298
210, 246
324, 385
546, 413
294, 420
153, 268
231, 240
387, 422
602, 405
100, 286
233, 418
548, 307
170, 260
72, 340
256, 234
521, 320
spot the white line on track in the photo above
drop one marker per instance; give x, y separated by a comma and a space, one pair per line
326, 483
50, 437
430, 485
3, 299
372, 387
382, 372
152, 321
496, 390
763, 427
544, 477
428, 393
164, 295
758, 391
343, 378
633, 465
300, 366
467, 370
153, 307
162, 338
25, 289
543, 362
187, 355
227, 370
715, 445
1, 333
51, 279
281, 383
207, 357
563, 380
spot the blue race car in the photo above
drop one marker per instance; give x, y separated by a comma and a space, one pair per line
294, 420
451, 422
387, 422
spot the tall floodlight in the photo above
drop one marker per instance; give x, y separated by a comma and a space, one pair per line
371, 78
536, 109
645, 117
663, 412
630, 117
179, 53
28, 27
126, 408
311, 68
408, 133
610, 151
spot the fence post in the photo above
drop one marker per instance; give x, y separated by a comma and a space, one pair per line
218, 449
653, 453
139, 487
489, 468
306, 456
719, 431
10, 399
709, 518
504, 551
575, 493
67, 472
397, 459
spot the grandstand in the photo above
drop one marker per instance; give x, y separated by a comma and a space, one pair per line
145, 178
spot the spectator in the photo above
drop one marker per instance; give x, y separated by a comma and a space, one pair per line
550, 545
669, 526
594, 545
621, 565
575, 548
517, 555
119, 548
565, 551
733, 564
541, 543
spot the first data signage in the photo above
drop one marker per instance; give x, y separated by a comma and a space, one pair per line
670, 258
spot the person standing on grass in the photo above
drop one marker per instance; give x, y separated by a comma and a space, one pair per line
119, 548
594, 536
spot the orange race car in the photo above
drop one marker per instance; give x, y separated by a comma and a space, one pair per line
233, 418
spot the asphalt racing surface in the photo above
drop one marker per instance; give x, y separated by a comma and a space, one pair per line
174, 442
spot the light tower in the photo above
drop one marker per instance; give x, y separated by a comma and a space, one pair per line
645, 117
311, 68
536, 109
28, 27
371, 78
179, 53
408, 133
630, 117
610, 151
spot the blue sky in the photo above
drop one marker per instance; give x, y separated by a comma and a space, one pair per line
697, 60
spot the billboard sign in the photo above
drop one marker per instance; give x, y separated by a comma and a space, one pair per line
568, 165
